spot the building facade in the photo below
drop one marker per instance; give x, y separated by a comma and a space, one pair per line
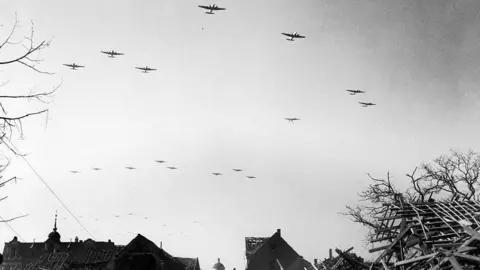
51, 254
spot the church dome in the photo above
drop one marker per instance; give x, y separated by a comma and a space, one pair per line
54, 236
218, 265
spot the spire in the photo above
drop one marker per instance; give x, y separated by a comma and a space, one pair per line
55, 225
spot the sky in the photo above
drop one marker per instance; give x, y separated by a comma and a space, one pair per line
218, 100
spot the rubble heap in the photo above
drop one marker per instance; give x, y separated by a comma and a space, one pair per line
431, 235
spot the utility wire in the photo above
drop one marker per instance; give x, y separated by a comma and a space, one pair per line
11, 228
49, 188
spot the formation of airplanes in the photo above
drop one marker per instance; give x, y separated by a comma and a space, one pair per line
171, 168
212, 8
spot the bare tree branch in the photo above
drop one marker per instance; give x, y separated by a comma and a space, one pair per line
14, 124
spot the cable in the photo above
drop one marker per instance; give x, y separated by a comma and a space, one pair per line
49, 188
11, 228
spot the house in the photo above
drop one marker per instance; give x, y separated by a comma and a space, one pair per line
273, 253
142, 253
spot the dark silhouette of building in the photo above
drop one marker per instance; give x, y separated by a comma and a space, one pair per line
273, 253
140, 253
19, 255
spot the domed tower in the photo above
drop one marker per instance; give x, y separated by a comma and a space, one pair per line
218, 266
53, 242
54, 236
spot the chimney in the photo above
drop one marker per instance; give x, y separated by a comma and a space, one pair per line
279, 232
161, 245
330, 253
218, 260
76, 239
315, 262
109, 241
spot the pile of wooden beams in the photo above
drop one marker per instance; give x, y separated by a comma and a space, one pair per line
435, 235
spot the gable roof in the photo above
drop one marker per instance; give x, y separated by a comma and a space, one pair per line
286, 255
140, 244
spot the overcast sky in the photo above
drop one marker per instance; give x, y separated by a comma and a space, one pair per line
218, 100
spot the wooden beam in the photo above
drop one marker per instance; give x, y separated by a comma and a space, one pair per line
467, 257
471, 232
454, 263
420, 258
400, 236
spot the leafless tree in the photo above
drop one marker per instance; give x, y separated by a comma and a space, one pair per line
449, 177
10, 125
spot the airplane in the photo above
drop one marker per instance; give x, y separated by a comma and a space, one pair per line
216, 173
74, 171
111, 53
172, 168
145, 218
366, 104
130, 168
130, 214
292, 119
353, 92
160, 161
96, 169
251, 177
145, 69
73, 66
117, 216
292, 36
237, 170
211, 8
